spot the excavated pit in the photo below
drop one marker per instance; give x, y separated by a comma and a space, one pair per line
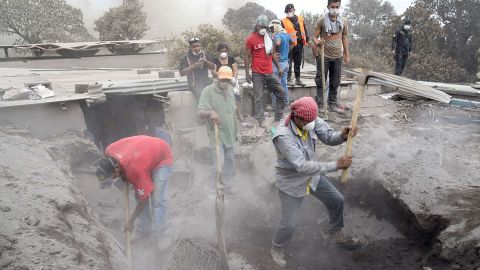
411, 199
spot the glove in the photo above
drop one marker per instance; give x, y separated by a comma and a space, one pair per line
247, 85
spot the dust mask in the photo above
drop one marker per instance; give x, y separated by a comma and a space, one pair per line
290, 15
334, 11
224, 85
406, 27
262, 32
223, 55
310, 126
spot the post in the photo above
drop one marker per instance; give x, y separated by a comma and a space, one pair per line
362, 81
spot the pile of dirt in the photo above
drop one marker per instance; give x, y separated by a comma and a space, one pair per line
46, 222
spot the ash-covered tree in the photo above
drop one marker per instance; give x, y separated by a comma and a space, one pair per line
243, 18
367, 20
209, 37
461, 27
126, 22
37, 21
427, 62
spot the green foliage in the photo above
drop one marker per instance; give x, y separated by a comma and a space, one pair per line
37, 21
243, 18
126, 22
209, 37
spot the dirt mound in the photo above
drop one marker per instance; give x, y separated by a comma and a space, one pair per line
46, 223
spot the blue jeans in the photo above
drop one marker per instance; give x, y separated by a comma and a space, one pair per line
283, 81
228, 170
158, 201
326, 193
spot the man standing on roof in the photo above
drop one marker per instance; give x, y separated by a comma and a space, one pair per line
299, 173
402, 46
146, 163
295, 27
260, 53
283, 43
195, 65
331, 31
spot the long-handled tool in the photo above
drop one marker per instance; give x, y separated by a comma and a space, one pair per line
219, 203
127, 232
362, 81
324, 87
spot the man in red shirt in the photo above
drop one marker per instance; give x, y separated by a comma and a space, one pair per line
145, 162
260, 52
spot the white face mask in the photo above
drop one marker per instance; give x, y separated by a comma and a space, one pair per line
310, 126
334, 11
290, 14
262, 31
407, 27
223, 55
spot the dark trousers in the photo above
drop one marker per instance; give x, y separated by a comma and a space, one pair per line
272, 83
295, 58
333, 71
401, 57
326, 193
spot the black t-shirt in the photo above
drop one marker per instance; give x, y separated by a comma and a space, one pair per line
199, 77
231, 61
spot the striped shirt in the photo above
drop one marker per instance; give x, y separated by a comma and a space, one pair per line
333, 42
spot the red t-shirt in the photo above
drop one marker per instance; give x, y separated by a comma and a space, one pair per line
138, 156
261, 63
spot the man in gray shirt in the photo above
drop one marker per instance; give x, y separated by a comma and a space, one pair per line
298, 173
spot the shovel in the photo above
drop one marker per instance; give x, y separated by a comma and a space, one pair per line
127, 232
324, 87
219, 203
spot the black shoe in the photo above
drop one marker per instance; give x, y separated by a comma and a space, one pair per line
299, 83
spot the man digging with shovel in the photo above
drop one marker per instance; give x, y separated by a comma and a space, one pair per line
145, 162
217, 103
299, 173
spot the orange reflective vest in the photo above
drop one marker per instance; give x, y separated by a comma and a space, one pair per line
288, 25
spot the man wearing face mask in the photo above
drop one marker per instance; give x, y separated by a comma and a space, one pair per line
217, 103
295, 27
195, 65
260, 53
331, 31
146, 163
402, 46
299, 173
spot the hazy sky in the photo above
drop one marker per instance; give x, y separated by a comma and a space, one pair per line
173, 16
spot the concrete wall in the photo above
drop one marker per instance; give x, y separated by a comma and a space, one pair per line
45, 120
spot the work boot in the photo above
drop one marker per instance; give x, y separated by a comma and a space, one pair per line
344, 241
271, 108
290, 82
261, 123
278, 256
336, 108
163, 243
299, 82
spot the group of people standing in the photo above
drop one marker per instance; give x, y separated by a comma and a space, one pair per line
271, 50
